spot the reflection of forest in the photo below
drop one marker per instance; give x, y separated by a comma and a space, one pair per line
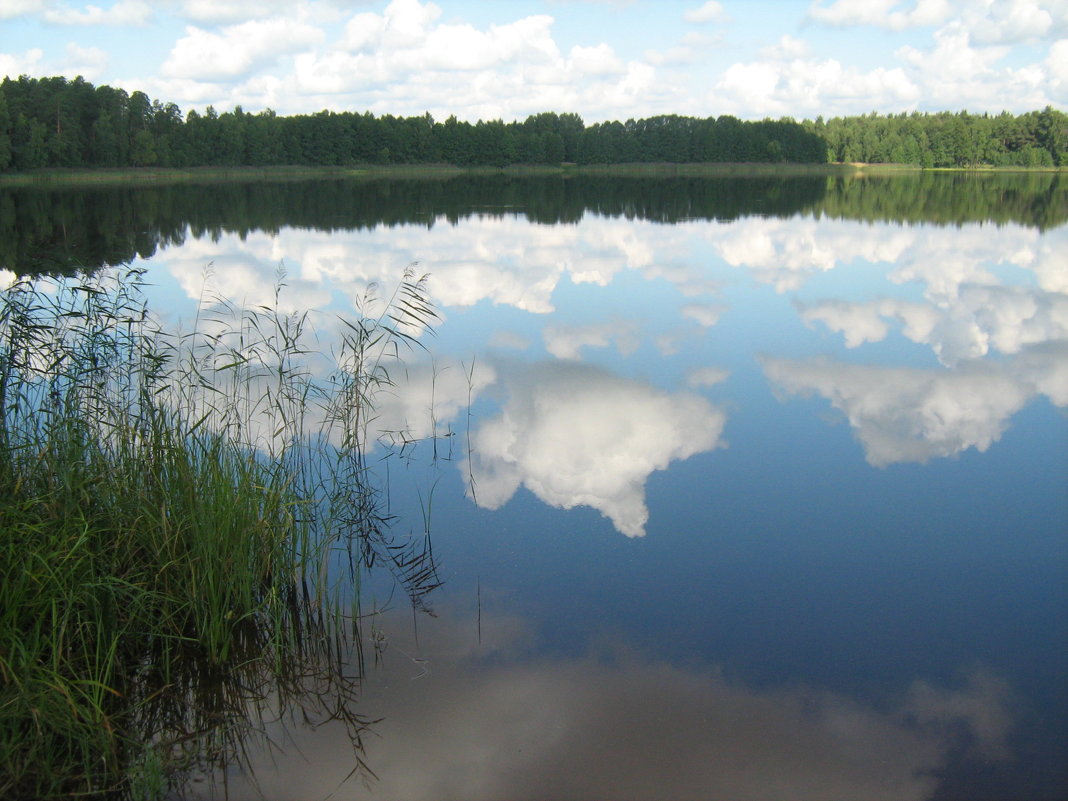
66, 230
1034, 199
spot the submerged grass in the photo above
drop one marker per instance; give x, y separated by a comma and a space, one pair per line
173, 510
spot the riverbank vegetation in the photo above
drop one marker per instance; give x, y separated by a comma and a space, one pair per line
185, 517
61, 123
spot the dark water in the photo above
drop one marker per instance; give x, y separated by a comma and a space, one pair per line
739, 488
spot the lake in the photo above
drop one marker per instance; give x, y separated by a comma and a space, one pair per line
746, 487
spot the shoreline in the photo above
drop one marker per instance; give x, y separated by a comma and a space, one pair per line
172, 175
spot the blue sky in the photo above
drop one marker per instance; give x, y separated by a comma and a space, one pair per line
603, 59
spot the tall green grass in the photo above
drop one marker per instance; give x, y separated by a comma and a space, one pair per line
174, 510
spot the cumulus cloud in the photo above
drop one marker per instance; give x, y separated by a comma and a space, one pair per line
11, 9
567, 341
501, 260
708, 12
577, 436
407, 59
956, 73
976, 321
27, 62
1050, 264
221, 12
787, 48
500, 724
425, 400
89, 62
243, 274
1011, 21
237, 50
913, 415
124, 12
892, 14
704, 314
785, 253
789, 85
509, 340
706, 376
965, 65
983, 704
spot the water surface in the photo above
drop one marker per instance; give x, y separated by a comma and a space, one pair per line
739, 488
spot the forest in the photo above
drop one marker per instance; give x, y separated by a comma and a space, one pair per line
60, 123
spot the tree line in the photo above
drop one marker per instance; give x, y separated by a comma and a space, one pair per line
1034, 139
60, 123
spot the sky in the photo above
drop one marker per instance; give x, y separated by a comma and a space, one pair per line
601, 59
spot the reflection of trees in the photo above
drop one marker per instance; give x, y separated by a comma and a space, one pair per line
62, 231
1038, 199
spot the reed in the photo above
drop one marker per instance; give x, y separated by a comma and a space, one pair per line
174, 510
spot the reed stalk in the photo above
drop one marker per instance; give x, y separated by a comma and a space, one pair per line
173, 508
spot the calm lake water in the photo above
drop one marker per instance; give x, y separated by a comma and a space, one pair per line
739, 488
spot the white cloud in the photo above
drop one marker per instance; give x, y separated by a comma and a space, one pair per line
680, 54
509, 340
577, 436
953, 56
858, 322
222, 12
10, 9
913, 415
1056, 65
425, 400
892, 14
956, 74
1050, 264
704, 314
1010, 21
567, 341
89, 62
708, 12
26, 63
790, 85
785, 253
706, 376
964, 66
236, 51
978, 320
786, 49
407, 60
124, 12
488, 722
983, 704
599, 60
501, 260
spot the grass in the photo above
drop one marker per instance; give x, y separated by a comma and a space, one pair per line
197, 175
174, 508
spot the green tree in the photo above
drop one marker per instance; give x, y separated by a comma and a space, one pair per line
5, 133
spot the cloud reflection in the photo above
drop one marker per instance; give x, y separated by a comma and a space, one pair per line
567, 341
467, 723
902, 414
977, 320
578, 436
